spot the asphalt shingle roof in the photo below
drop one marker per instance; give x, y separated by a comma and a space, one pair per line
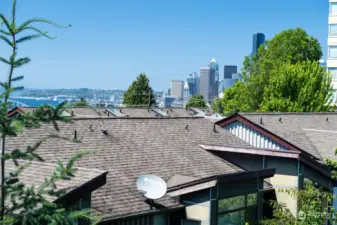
134, 147
89, 112
314, 133
36, 172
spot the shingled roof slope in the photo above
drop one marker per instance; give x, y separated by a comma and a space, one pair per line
36, 172
134, 147
312, 132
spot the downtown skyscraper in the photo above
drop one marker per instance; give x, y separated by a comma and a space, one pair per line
209, 81
258, 39
229, 70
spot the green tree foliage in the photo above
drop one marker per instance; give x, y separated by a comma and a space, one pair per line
313, 208
20, 204
290, 47
81, 103
237, 99
139, 93
301, 87
196, 101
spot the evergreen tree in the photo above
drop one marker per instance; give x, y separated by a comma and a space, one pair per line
139, 93
20, 204
196, 101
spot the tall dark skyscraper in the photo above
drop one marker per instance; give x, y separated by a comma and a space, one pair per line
258, 39
228, 71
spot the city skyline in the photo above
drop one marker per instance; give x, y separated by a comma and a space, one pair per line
135, 42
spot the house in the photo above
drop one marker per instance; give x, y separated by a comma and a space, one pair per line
202, 187
296, 144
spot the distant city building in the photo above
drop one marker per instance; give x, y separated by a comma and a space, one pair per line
206, 83
187, 94
322, 63
169, 91
214, 65
229, 70
258, 39
193, 83
166, 101
227, 83
177, 89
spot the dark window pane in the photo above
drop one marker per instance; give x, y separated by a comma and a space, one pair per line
251, 199
231, 203
233, 218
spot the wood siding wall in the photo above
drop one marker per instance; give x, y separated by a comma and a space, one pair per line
251, 136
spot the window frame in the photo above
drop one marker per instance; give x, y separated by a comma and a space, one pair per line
330, 8
244, 208
330, 34
329, 53
333, 72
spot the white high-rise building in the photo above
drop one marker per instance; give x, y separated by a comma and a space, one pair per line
332, 44
186, 92
177, 89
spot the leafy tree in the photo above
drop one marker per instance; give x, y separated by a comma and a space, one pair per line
140, 92
302, 87
20, 204
196, 101
237, 99
313, 208
81, 103
289, 47
217, 106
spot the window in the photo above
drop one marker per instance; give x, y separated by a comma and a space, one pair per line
333, 52
238, 210
333, 29
333, 72
333, 8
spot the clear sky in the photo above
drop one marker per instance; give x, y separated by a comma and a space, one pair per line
111, 42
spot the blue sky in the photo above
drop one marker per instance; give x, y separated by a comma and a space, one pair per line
111, 42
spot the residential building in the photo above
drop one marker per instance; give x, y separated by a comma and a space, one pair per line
229, 70
332, 43
200, 184
296, 144
193, 83
258, 40
177, 89
214, 65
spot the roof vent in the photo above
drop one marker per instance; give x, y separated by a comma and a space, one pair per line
261, 122
75, 134
72, 113
327, 119
214, 128
120, 110
280, 119
186, 127
90, 128
105, 131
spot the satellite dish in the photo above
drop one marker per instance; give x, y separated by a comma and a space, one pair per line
151, 186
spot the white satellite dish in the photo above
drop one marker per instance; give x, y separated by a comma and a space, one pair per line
151, 186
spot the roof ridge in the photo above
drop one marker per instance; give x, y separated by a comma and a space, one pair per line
287, 113
133, 118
